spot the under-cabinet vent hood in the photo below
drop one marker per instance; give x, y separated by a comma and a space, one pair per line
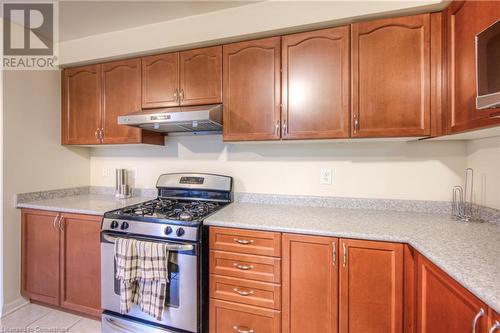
202, 118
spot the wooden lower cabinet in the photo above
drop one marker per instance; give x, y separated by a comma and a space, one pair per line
228, 317
310, 284
334, 285
445, 306
80, 263
40, 256
61, 260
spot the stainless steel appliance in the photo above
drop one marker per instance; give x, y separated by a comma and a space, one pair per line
197, 119
488, 67
122, 187
174, 217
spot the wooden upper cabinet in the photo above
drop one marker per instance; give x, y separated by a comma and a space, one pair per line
465, 20
371, 287
315, 84
160, 80
201, 76
121, 95
310, 284
443, 305
81, 263
40, 256
391, 77
251, 81
81, 105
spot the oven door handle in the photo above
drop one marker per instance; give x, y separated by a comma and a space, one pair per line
170, 246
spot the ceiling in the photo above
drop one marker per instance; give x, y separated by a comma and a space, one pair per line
78, 19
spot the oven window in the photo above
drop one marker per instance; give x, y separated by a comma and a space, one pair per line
172, 294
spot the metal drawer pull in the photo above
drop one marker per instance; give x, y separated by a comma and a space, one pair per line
61, 224
56, 219
243, 293
243, 267
334, 254
344, 255
242, 329
243, 241
476, 319
496, 326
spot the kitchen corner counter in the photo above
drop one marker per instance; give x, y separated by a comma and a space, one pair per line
468, 252
91, 204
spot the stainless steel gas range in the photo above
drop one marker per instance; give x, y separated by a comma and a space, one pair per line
174, 217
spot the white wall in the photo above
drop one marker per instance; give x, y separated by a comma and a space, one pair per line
393, 170
259, 19
33, 158
484, 157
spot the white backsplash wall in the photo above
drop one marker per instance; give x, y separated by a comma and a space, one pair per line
390, 170
484, 157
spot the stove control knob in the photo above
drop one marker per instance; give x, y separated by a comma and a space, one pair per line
180, 232
124, 226
114, 224
168, 230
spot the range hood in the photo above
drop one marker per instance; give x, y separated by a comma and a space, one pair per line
202, 118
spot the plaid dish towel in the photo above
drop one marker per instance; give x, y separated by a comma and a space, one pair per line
143, 274
126, 271
153, 277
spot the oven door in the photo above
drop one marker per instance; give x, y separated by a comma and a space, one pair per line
181, 302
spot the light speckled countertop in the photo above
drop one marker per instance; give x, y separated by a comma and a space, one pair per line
469, 252
93, 204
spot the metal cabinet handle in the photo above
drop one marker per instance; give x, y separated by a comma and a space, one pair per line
181, 95
97, 134
494, 327
56, 219
344, 254
243, 267
60, 225
356, 123
243, 241
476, 319
334, 253
242, 292
176, 95
285, 127
277, 127
242, 329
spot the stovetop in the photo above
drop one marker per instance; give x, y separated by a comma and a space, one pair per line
171, 209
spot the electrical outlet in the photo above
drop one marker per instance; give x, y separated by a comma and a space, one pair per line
325, 176
105, 172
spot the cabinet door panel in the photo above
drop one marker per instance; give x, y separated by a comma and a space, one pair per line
315, 80
160, 80
310, 284
201, 76
40, 256
121, 95
465, 20
81, 104
81, 263
391, 77
371, 287
252, 90
442, 304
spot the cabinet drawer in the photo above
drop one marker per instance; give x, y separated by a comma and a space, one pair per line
245, 266
245, 241
227, 317
246, 291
